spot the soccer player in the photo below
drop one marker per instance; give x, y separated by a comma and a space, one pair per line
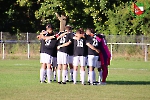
104, 57
70, 35
93, 53
62, 57
46, 52
79, 54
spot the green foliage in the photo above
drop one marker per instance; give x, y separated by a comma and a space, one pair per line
106, 16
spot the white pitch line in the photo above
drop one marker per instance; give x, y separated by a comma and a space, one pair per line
126, 69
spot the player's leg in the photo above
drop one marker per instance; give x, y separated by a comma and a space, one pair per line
75, 68
91, 68
66, 76
54, 67
43, 67
104, 74
64, 69
49, 67
82, 68
70, 60
59, 63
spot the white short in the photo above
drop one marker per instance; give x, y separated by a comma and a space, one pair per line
79, 60
86, 61
92, 60
98, 64
54, 61
46, 58
70, 59
62, 58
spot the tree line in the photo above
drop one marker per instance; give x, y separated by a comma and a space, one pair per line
106, 16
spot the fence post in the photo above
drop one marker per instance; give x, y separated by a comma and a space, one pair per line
28, 46
111, 49
3, 50
1, 44
146, 55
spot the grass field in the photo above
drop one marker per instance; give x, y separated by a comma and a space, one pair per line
127, 80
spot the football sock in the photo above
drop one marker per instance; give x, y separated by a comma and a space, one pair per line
48, 75
74, 76
94, 76
91, 76
82, 76
42, 74
63, 75
58, 75
54, 75
71, 74
67, 75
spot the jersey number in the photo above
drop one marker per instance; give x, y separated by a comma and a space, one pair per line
80, 43
95, 42
47, 43
63, 39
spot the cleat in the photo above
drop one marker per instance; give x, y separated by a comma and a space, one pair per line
63, 82
71, 81
67, 80
59, 82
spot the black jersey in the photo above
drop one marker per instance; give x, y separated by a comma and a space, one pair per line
70, 47
47, 46
80, 47
93, 41
63, 40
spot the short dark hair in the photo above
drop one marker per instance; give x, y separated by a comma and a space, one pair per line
91, 30
49, 26
68, 27
79, 31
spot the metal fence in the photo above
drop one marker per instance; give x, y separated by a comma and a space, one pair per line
26, 46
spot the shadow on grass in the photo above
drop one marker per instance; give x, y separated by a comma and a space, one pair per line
129, 82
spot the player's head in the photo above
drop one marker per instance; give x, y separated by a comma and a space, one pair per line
82, 30
78, 31
68, 28
49, 28
90, 31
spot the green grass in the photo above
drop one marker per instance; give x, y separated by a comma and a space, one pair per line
127, 80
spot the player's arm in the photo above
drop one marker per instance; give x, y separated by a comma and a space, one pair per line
48, 37
57, 15
64, 45
61, 35
92, 47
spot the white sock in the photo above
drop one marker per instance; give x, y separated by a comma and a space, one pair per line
42, 74
94, 76
80, 76
63, 75
75, 76
91, 76
83, 76
58, 75
88, 75
54, 75
71, 74
48, 75
66, 75
101, 75
45, 74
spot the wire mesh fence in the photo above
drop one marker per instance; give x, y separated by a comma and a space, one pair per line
27, 46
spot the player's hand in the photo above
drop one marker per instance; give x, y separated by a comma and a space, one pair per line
39, 37
58, 47
97, 51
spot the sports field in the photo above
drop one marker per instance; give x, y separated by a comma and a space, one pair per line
127, 80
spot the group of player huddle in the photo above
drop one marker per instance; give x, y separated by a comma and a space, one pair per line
66, 51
